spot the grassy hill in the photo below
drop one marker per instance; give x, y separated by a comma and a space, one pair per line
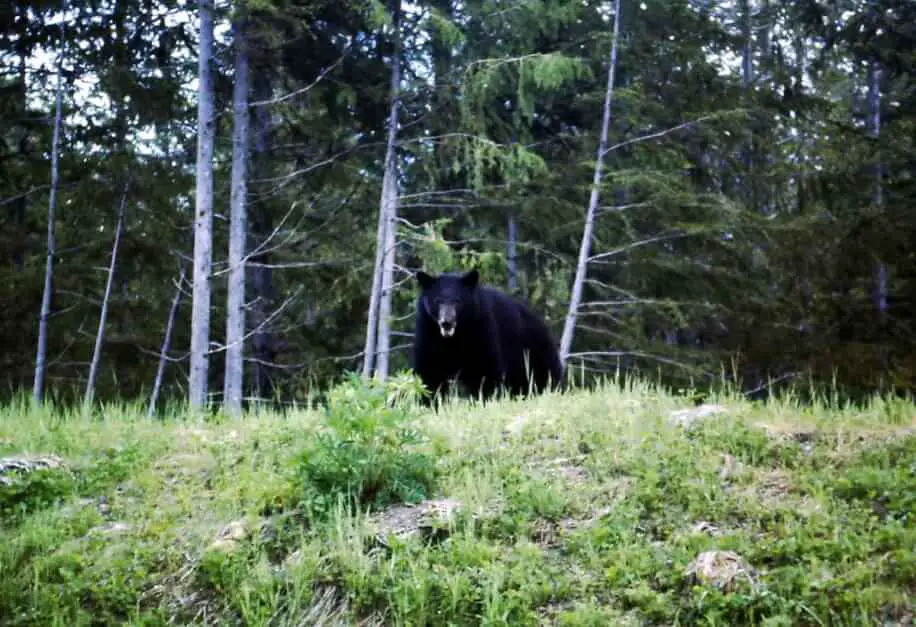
593, 508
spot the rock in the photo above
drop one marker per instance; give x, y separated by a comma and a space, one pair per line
111, 528
404, 521
723, 569
12, 468
689, 416
229, 537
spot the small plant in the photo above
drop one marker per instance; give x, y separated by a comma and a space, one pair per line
367, 453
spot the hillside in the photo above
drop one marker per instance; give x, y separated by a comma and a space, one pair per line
597, 508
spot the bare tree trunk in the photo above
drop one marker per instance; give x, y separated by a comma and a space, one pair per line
20, 208
238, 224
748, 185
203, 221
374, 295
383, 281
511, 258
390, 204
747, 56
166, 344
42, 349
103, 314
261, 274
880, 273
575, 298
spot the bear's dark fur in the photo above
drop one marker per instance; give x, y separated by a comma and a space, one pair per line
482, 337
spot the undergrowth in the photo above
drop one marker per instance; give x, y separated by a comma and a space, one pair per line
588, 508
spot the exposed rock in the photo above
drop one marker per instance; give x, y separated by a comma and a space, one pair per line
404, 521
229, 537
111, 528
687, 417
703, 526
12, 468
723, 569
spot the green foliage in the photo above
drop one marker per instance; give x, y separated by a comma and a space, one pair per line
369, 453
48, 487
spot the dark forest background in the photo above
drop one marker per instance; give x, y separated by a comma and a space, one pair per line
755, 219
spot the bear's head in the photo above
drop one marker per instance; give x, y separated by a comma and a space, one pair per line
449, 298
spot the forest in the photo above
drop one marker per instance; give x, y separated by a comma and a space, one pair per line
220, 202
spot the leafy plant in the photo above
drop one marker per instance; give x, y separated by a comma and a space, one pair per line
368, 453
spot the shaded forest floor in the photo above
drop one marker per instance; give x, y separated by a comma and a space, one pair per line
601, 508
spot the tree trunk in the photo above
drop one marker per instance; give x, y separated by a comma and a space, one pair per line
106, 297
262, 225
378, 341
42, 348
511, 259
238, 224
20, 208
203, 221
166, 344
575, 298
879, 271
389, 204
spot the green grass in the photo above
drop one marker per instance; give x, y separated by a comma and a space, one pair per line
583, 509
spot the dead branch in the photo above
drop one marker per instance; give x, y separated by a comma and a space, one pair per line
298, 92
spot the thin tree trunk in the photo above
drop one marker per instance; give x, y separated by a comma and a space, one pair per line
20, 208
262, 225
747, 79
42, 348
203, 221
511, 259
384, 309
103, 314
166, 345
376, 292
879, 271
238, 224
575, 298
378, 343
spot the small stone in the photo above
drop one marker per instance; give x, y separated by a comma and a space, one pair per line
720, 568
689, 416
233, 531
112, 528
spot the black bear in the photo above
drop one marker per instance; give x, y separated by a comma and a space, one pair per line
482, 337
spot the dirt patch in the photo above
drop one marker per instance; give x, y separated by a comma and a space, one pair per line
567, 468
185, 465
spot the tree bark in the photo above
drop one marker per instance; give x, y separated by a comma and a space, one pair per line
203, 221
238, 224
262, 225
575, 298
166, 344
103, 314
42, 348
879, 270
511, 258
378, 344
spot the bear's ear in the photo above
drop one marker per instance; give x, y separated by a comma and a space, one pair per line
425, 280
470, 279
